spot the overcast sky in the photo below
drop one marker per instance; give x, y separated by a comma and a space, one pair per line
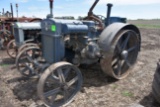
132, 9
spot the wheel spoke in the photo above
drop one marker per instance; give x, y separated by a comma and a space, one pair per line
67, 72
53, 98
55, 78
31, 71
132, 48
114, 62
71, 82
119, 47
66, 93
33, 54
72, 88
119, 67
125, 41
61, 75
29, 58
25, 69
127, 62
51, 92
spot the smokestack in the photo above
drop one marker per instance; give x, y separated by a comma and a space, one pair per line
3, 11
109, 5
12, 11
17, 11
51, 8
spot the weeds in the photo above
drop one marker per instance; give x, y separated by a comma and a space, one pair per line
4, 65
127, 94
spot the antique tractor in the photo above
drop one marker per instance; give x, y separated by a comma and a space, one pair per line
7, 31
156, 84
67, 44
25, 35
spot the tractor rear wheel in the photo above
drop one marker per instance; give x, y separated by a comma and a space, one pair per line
123, 54
59, 84
27, 62
156, 84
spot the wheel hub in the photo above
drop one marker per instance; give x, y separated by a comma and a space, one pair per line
64, 86
124, 54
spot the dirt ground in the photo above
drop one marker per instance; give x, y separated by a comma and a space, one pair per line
98, 90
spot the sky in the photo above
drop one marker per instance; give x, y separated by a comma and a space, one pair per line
131, 9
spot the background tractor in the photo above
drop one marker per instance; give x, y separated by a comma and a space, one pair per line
7, 21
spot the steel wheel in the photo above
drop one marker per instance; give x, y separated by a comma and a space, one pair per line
156, 84
26, 45
12, 49
27, 62
123, 54
59, 84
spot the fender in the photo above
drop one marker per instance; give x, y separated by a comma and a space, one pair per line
109, 33
35, 19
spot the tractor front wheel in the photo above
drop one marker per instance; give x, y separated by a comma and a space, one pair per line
59, 84
27, 62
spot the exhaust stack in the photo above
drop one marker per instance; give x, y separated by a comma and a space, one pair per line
17, 11
51, 8
109, 5
3, 11
12, 11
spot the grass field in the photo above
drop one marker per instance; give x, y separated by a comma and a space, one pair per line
155, 23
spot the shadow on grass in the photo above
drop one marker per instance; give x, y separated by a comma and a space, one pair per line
94, 76
26, 89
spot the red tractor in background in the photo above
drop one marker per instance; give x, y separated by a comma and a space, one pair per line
6, 30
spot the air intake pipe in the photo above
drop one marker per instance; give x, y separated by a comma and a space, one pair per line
51, 8
109, 5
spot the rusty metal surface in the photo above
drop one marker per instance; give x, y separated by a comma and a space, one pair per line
4, 19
